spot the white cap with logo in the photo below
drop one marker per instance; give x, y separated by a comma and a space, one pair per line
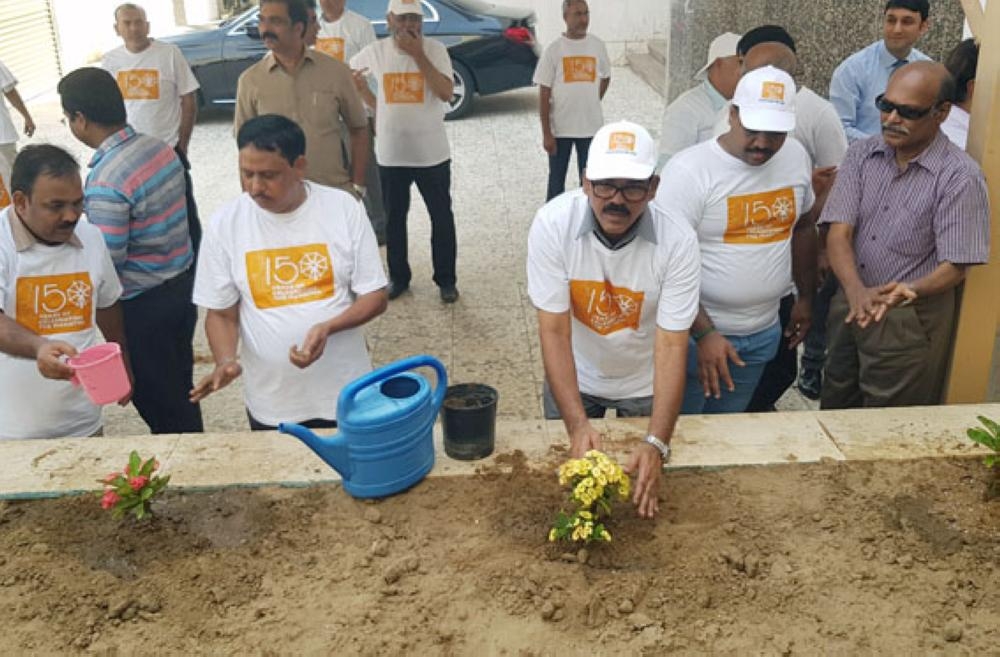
621, 150
400, 7
723, 45
766, 100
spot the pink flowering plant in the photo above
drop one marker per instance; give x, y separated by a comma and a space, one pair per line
132, 490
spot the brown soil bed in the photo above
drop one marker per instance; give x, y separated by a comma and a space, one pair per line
893, 558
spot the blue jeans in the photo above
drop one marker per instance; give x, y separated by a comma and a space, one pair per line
756, 350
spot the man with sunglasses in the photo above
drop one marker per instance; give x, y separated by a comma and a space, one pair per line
749, 196
863, 76
615, 283
907, 216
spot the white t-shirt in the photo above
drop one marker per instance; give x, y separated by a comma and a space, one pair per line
55, 291
4, 182
573, 69
690, 119
8, 133
817, 127
956, 126
290, 272
345, 37
744, 216
409, 118
617, 298
152, 83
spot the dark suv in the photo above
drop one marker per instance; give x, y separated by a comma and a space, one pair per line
492, 48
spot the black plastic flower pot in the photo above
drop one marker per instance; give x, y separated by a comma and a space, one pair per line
469, 420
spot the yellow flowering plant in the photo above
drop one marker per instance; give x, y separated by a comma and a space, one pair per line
595, 481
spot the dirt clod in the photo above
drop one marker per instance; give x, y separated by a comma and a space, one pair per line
953, 631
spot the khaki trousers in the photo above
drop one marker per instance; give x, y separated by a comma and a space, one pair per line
900, 361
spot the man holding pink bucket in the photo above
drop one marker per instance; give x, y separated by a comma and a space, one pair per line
58, 285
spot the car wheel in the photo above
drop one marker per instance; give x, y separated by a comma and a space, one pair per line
461, 97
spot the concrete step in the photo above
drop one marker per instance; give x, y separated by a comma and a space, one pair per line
658, 50
649, 69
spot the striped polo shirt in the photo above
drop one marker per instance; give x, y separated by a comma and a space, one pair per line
908, 222
135, 195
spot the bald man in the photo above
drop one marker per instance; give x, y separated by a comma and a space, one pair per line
908, 215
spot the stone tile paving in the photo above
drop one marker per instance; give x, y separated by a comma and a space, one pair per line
499, 176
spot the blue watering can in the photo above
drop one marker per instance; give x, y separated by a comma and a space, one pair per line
385, 419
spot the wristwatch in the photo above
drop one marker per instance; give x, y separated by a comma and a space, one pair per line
662, 447
360, 190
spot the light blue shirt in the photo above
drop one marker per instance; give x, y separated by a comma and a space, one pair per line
858, 81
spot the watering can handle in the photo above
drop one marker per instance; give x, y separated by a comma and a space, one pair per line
350, 391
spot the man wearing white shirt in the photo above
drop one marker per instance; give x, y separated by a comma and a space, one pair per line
615, 283
414, 81
57, 287
8, 133
961, 63
159, 90
290, 269
572, 75
748, 194
690, 119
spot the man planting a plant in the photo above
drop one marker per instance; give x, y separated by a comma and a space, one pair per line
615, 283
291, 269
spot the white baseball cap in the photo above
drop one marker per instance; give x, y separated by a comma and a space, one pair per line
723, 45
766, 100
400, 7
621, 150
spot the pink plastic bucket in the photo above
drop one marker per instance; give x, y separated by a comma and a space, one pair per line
100, 370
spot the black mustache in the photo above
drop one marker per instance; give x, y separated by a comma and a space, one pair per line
614, 208
895, 129
268, 35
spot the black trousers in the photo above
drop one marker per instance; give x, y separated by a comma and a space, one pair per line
159, 327
194, 223
434, 184
780, 373
559, 163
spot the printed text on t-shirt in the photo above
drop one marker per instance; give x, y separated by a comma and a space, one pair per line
579, 69
140, 84
605, 308
403, 87
332, 46
291, 275
760, 218
60, 303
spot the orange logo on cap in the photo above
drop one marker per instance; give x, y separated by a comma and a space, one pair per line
620, 142
773, 91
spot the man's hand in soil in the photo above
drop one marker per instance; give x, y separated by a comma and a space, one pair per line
645, 468
714, 354
49, 359
583, 439
223, 374
312, 347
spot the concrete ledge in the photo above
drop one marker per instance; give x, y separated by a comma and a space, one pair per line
52, 468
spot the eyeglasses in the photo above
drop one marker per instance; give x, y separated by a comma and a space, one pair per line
633, 193
905, 111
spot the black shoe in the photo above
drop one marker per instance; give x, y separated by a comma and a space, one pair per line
449, 293
396, 289
811, 383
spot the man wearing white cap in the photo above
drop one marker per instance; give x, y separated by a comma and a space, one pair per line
749, 196
615, 283
414, 78
572, 75
689, 120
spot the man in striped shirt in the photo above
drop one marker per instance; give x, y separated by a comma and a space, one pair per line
907, 216
135, 195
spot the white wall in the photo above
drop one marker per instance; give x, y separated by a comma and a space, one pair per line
623, 24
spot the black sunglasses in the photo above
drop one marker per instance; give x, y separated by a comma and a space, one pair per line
905, 111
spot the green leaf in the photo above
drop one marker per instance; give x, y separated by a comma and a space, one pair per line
991, 425
990, 460
978, 435
134, 463
146, 493
147, 467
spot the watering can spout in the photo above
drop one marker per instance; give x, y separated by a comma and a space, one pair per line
331, 449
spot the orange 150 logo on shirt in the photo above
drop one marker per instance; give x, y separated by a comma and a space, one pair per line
61, 303
289, 276
579, 69
140, 84
605, 308
403, 87
333, 46
4, 194
760, 218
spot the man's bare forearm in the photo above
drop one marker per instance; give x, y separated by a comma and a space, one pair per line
669, 369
